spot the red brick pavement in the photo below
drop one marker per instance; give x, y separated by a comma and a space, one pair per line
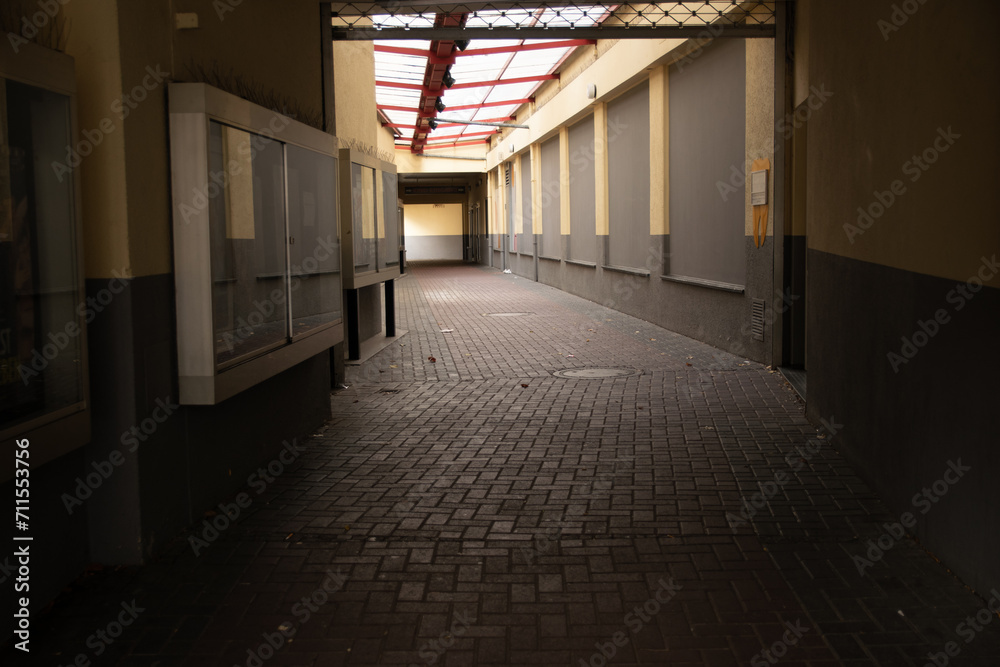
477, 510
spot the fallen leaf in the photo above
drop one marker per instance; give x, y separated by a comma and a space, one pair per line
525, 386
688, 363
393, 366
432, 360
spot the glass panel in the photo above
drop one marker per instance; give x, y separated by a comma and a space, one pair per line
388, 242
363, 224
248, 243
315, 252
41, 352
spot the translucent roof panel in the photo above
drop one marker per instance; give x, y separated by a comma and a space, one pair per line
397, 62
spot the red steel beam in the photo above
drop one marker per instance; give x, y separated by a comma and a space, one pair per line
456, 143
463, 136
501, 82
444, 125
402, 50
515, 48
469, 84
408, 147
438, 60
462, 107
501, 103
400, 84
389, 107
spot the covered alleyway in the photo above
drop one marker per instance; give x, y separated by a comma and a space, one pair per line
466, 506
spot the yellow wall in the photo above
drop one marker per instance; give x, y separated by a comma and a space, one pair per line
99, 82
760, 130
354, 76
145, 37
125, 51
433, 219
865, 136
620, 66
408, 163
275, 44
623, 65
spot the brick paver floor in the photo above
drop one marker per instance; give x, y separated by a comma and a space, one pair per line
478, 510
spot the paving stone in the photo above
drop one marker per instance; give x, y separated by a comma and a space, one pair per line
492, 523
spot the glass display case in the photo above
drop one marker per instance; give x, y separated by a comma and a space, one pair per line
369, 219
256, 242
43, 306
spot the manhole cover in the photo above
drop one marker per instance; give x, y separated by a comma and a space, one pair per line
596, 373
506, 314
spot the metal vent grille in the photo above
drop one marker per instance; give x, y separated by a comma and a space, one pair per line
390, 19
757, 319
506, 174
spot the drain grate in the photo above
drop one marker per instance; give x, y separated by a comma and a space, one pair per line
757, 319
506, 314
596, 373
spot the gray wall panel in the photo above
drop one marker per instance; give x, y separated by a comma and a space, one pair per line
582, 204
551, 200
628, 178
420, 248
707, 140
903, 421
524, 241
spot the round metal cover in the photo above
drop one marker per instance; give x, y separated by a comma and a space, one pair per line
596, 373
506, 314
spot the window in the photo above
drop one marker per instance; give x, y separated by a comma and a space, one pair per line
247, 227
582, 188
525, 240
708, 141
388, 240
628, 179
370, 219
43, 311
551, 200
257, 253
363, 223
314, 244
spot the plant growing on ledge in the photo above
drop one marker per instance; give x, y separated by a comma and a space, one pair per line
42, 24
252, 91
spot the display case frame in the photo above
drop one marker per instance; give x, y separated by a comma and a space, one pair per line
66, 428
349, 202
203, 380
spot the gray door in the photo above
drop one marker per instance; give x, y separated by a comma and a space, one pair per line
510, 236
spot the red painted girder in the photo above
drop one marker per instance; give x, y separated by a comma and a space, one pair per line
470, 84
424, 53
